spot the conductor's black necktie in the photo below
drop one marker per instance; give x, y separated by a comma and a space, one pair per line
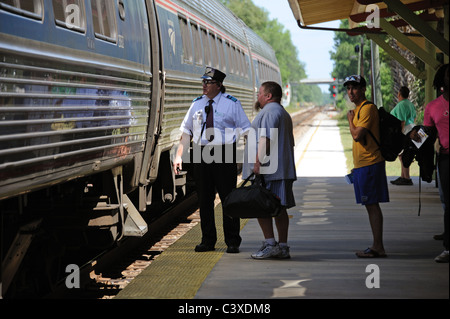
209, 120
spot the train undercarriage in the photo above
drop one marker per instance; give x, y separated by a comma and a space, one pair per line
68, 224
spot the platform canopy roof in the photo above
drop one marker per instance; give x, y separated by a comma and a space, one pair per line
309, 12
420, 26
410, 22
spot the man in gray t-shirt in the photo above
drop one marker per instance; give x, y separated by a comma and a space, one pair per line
274, 159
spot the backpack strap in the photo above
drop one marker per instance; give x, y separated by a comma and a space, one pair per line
365, 103
371, 134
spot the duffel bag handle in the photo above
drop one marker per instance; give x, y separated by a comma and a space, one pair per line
259, 179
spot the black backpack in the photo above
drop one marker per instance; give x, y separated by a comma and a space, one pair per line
424, 155
392, 140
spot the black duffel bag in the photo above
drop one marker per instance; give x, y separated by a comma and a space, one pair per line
254, 201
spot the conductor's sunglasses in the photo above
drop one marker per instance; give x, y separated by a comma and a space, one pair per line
208, 82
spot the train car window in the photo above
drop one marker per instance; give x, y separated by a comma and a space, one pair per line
242, 57
241, 65
32, 9
229, 57
221, 49
70, 14
104, 16
247, 65
214, 55
238, 62
259, 69
186, 38
235, 61
198, 59
206, 47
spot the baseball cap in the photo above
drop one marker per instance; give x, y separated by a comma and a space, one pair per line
213, 74
358, 79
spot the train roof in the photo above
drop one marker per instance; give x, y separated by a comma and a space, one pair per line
224, 19
259, 46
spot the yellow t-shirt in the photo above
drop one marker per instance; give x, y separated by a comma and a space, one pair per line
367, 152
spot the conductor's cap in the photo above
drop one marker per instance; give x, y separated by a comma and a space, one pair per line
214, 74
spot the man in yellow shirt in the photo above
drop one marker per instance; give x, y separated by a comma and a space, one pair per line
369, 173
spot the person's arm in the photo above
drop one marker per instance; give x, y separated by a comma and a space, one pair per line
403, 125
358, 133
263, 151
182, 146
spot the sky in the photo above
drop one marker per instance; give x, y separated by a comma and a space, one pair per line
313, 45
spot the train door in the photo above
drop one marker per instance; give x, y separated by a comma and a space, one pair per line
150, 157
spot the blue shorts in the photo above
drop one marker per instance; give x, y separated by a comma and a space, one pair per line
283, 189
370, 184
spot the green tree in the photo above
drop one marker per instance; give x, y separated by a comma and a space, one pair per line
291, 68
346, 63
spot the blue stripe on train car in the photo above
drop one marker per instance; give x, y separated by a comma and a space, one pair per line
132, 35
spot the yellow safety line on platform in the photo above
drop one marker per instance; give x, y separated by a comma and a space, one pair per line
179, 271
307, 145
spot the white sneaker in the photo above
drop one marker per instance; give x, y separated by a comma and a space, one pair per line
443, 257
284, 252
266, 251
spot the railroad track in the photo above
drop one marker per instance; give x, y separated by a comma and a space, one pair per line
302, 120
104, 276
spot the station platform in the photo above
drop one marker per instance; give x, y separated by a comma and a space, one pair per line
326, 228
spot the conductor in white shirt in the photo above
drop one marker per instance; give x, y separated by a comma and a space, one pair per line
214, 122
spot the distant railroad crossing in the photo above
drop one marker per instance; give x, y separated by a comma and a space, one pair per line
319, 81
287, 88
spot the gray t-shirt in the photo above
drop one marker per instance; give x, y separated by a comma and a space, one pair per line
275, 123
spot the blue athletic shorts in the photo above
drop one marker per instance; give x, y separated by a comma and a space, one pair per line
370, 184
283, 189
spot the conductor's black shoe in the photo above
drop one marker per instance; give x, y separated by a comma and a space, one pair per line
232, 249
204, 247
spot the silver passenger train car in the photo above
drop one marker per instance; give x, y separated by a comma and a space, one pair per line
92, 94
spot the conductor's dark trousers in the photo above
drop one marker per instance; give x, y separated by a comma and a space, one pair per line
209, 179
